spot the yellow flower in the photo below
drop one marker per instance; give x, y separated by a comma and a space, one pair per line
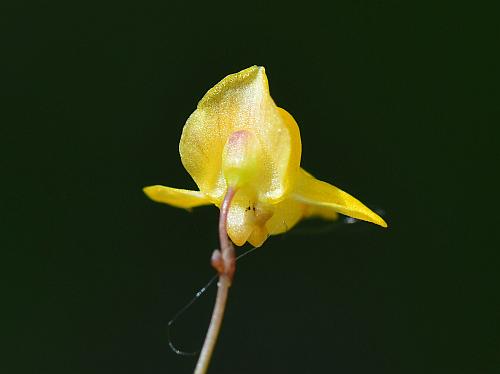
238, 138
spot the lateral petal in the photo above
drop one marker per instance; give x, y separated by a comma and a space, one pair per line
310, 190
176, 197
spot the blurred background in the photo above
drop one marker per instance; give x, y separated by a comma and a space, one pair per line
395, 102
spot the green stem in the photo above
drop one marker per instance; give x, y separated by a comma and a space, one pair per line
225, 263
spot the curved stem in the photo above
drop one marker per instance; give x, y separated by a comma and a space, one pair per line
225, 263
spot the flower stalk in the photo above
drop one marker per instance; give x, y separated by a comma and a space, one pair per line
224, 261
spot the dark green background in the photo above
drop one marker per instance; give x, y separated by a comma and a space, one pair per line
395, 103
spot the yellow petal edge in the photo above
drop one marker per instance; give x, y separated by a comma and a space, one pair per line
238, 136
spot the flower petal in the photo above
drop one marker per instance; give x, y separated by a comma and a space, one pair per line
240, 222
286, 214
241, 101
258, 236
310, 190
176, 197
325, 212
